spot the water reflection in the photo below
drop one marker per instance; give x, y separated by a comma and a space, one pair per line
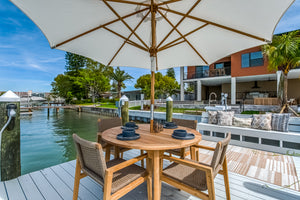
46, 139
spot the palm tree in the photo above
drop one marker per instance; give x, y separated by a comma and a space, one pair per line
284, 54
119, 76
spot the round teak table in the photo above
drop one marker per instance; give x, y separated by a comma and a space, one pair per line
155, 144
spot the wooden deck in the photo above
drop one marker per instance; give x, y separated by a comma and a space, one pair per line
57, 183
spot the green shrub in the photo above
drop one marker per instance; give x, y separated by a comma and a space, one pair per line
250, 112
135, 108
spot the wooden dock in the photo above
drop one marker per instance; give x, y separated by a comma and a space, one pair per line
57, 183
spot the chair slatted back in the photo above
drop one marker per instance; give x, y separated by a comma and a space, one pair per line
104, 124
186, 123
91, 157
219, 154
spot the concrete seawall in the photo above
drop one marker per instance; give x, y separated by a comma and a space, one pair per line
136, 114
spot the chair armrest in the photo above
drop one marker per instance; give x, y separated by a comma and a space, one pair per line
126, 163
188, 163
204, 147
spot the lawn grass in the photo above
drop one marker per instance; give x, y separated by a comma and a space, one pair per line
107, 105
99, 105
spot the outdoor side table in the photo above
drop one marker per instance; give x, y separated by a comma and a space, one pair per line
155, 144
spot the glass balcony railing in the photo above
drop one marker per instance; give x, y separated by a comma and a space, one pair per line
226, 71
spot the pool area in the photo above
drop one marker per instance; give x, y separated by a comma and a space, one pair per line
46, 139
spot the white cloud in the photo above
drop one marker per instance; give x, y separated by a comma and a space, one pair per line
11, 21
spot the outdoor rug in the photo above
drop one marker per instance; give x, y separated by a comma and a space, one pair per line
270, 167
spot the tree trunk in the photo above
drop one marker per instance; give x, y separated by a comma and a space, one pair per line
285, 91
119, 90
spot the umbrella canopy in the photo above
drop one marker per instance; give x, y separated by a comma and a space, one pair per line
172, 32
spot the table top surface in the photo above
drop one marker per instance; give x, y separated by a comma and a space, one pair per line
150, 141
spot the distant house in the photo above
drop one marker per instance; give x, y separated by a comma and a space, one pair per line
243, 76
133, 94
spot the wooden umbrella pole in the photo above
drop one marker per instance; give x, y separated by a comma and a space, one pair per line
153, 51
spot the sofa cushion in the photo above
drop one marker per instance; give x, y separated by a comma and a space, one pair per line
242, 122
280, 122
225, 118
212, 117
262, 121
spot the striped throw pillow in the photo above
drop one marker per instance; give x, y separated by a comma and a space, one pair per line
280, 122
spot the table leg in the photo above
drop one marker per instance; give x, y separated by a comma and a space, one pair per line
107, 152
149, 184
117, 152
193, 153
156, 175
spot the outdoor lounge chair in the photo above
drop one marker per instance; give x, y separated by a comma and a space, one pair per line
195, 177
104, 124
183, 152
116, 176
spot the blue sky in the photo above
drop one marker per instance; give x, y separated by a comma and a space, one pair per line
28, 63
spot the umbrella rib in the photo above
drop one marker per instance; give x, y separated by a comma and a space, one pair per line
187, 34
183, 37
216, 24
181, 20
128, 41
96, 28
168, 2
170, 45
136, 35
130, 2
128, 38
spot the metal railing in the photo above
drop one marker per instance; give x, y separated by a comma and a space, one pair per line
226, 71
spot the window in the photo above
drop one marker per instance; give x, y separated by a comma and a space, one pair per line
201, 71
219, 65
252, 59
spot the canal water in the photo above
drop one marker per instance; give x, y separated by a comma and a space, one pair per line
46, 140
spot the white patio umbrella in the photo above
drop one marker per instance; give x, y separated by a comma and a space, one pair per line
171, 33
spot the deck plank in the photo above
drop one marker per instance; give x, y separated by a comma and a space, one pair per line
3, 194
88, 183
44, 186
30, 189
64, 191
14, 190
96, 188
68, 179
57, 182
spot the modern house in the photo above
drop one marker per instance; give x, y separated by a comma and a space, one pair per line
244, 76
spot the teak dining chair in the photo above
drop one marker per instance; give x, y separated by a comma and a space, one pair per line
195, 177
116, 176
183, 152
104, 124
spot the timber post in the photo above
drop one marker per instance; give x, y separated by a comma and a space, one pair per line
10, 161
169, 109
124, 109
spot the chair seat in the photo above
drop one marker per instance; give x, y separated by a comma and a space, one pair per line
187, 175
125, 176
178, 151
122, 177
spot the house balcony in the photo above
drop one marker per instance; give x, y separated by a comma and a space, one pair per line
226, 71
